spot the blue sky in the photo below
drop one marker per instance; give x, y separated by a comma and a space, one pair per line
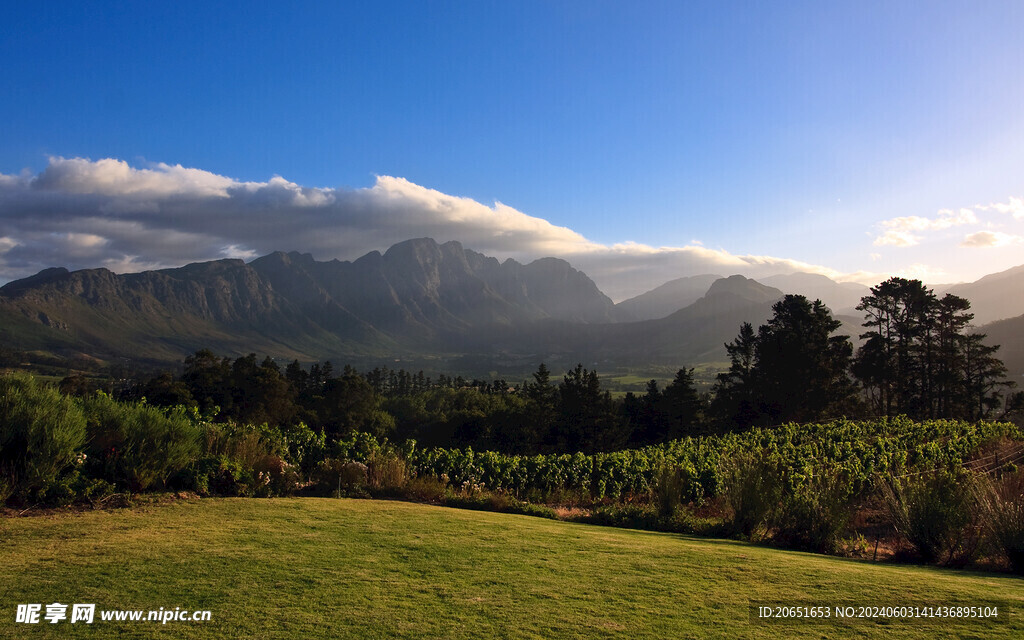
830, 134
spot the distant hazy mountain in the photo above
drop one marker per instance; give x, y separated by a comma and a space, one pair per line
994, 297
1009, 334
694, 334
165, 314
668, 298
698, 332
838, 296
676, 294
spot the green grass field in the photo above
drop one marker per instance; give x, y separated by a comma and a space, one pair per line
307, 567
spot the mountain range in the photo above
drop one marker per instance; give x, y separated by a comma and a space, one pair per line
419, 298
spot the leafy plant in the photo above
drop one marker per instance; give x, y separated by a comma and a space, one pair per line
41, 433
1002, 512
140, 445
754, 491
935, 513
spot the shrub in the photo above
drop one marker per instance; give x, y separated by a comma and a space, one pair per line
935, 513
222, 476
243, 444
243, 460
630, 516
816, 514
336, 477
274, 477
753, 491
498, 502
140, 445
71, 487
41, 432
669, 486
426, 489
386, 470
1002, 513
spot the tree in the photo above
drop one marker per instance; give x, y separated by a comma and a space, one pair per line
983, 375
888, 364
587, 419
802, 370
951, 321
682, 407
919, 360
165, 391
350, 404
734, 401
644, 418
208, 379
792, 369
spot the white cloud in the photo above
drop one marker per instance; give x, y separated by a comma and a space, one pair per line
234, 251
897, 238
1014, 206
904, 231
983, 239
115, 177
921, 272
80, 213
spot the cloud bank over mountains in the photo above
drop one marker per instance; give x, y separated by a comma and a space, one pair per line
80, 213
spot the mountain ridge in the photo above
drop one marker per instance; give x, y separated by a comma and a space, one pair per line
417, 297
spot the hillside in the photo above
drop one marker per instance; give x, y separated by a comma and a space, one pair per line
995, 297
1009, 335
307, 567
694, 334
417, 297
840, 297
667, 298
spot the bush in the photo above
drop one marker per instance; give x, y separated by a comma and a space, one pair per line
426, 489
222, 476
1002, 513
140, 445
669, 486
41, 432
387, 471
500, 503
753, 491
935, 513
630, 516
72, 487
815, 515
337, 478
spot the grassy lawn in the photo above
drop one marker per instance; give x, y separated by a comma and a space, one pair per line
307, 567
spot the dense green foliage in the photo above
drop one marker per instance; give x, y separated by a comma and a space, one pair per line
934, 512
540, 416
139, 445
41, 433
917, 360
857, 449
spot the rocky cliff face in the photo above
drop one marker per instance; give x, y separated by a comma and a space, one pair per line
417, 295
